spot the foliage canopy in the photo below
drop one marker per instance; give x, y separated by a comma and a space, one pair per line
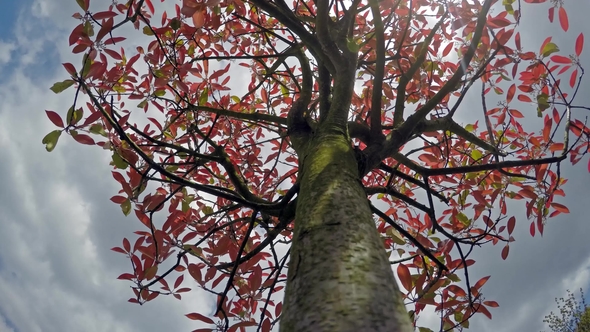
210, 107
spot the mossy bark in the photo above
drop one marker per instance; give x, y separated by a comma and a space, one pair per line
339, 275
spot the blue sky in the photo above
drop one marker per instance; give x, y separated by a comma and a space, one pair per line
57, 223
8, 16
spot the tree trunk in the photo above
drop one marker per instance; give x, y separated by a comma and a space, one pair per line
339, 275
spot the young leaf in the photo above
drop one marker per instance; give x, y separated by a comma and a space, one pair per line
61, 86
50, 140
549, 49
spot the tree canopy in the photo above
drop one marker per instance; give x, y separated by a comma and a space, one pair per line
331, 138
575, 315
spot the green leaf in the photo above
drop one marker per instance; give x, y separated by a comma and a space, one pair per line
61, 86
543, 103
424, 329
119, 162
147, 31
159, 93
463, 219
549, 49
191, 249
204, 97
476, 154
97, 129
74, 117
395, 236
88, 29
454, 278
185, 206
207, 210
86, 63
81, 4
126, 207
352, 45
237, 99
175, 24
50, 140
142, 104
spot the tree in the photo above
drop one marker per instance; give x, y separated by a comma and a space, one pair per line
575, 315
323, 137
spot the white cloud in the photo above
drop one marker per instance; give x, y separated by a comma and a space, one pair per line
6, 49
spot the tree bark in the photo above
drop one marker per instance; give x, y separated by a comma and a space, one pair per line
339, 276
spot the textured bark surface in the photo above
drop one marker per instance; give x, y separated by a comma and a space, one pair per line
339, 275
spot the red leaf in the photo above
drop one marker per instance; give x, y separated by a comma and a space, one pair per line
505, 251
447, 49
588, 166
126, 276
112, 53
84, 139
114, 40
484, 311
197, 316
547, 128
524, 98
118, 199
561, 59
104, 15
79, 48
106, 27
55, 118
76, 34
532, 229
491, 304
70, 68
429, 159
150, 6
573, 78
126, 245
178, 281
511, 224
199, 19
510, 93
563, 19
404, 276
240, 325
516, 113
481, 282
579, 44
561, 208
118, 249
195, 272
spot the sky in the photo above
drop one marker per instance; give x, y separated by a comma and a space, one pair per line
57, 223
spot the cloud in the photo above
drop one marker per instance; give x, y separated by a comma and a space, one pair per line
56, 270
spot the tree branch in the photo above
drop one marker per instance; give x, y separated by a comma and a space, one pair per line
403, 232
376, 131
